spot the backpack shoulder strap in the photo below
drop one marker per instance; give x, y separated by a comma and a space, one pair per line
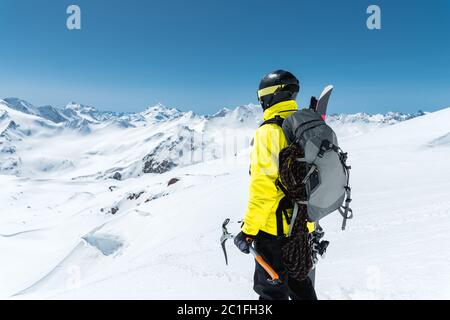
276, 120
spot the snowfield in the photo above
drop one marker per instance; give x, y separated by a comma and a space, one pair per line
68, 230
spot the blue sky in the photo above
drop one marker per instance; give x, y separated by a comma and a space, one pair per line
204, 55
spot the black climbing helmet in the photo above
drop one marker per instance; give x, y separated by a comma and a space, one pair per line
277, 86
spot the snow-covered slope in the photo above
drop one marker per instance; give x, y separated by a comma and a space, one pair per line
156, 235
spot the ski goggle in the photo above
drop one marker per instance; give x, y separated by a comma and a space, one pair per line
269, 90
293, 88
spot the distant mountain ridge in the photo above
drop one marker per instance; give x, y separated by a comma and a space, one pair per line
157, 113
102, 144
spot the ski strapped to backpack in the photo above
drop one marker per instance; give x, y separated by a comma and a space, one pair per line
325, 187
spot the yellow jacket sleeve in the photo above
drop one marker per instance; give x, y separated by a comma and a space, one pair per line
264, 196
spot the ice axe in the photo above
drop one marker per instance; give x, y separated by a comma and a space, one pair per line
275, 278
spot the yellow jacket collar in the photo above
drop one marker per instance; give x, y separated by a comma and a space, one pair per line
282, 109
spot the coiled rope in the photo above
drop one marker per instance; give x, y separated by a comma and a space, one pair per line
296, 249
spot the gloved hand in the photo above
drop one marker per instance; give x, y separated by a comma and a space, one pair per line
243, 242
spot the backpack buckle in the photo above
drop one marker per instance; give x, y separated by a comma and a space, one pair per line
324, 147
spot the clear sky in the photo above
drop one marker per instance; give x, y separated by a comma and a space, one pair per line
204, 55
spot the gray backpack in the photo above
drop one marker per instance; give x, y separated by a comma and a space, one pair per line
315, 165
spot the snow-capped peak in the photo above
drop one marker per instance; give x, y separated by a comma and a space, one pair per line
388, 118
80, 107
221, 113
159, 112
77, 112
242, 111
20, 105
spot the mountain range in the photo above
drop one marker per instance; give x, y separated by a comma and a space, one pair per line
81, 142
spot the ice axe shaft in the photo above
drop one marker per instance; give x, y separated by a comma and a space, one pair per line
275, 278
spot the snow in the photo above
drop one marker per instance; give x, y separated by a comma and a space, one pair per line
68, 231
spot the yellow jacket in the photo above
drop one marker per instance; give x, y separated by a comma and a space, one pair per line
264, 196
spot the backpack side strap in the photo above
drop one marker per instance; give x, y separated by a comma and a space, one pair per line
345, 210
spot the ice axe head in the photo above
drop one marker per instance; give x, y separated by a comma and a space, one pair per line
275, 279
225, 236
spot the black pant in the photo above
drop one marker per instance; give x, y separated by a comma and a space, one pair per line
269, 247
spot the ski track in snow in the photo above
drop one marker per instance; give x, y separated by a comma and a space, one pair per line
59, 239
18, 233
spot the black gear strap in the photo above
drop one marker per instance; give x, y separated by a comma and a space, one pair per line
284, 204
276, 120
